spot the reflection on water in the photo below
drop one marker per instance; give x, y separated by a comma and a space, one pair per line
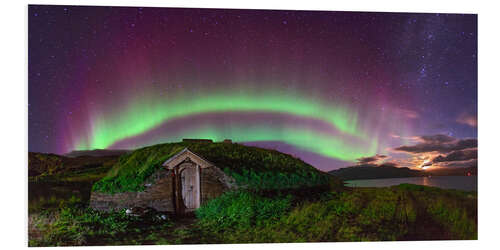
468, 183
425, 181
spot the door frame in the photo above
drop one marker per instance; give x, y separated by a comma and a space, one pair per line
179, 206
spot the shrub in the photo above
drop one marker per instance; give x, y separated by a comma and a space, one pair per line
240, 209
71, 226
359, 215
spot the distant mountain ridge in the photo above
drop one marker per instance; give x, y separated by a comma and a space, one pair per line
51, 164
374, 172
380, 172
97, 152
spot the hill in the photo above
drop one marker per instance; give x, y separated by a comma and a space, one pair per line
388, 171
39, 163
97, 152
252, 167
58, 167
375, 172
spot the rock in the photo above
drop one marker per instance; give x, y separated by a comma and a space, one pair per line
141, 211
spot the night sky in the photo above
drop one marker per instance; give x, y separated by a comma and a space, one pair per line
333, 88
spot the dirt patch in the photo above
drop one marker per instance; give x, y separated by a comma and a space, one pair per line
425, 228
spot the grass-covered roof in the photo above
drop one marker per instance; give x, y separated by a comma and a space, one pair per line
251, 167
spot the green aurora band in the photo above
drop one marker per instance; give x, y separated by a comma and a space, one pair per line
147, 112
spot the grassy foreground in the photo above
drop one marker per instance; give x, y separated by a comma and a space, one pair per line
404, 212
281, 199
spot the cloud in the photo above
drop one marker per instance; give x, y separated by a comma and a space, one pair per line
365, 165
436, 138
377, 160
407, 113
456, 164
413, 138
371, 159
459, 155
374, 165
468, 119
440, 151
438, 143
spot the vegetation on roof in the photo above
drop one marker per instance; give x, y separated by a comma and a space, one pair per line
251, 167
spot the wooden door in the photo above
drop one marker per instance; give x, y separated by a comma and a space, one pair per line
190, 186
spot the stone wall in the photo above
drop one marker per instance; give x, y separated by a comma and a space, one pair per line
158, 195
214, 183
159, 191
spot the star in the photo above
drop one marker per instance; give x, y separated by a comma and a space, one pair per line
89, 79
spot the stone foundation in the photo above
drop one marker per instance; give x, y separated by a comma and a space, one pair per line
159, 192
157, 195
214, 183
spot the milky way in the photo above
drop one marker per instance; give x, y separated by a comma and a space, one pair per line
329, 87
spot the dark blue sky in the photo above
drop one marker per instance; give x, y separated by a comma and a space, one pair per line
419, 66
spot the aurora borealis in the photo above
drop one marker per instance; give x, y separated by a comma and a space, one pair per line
143, 115
328, 87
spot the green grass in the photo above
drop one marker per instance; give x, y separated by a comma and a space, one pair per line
454, 210
240, 209
252, 167
278, 180
75, 226
131, 170
367, 214
283, 200
404, 212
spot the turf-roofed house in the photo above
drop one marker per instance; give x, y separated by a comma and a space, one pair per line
181, 177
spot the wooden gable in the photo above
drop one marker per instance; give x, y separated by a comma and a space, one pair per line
184, 155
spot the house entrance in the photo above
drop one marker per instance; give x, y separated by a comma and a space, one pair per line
190, 185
